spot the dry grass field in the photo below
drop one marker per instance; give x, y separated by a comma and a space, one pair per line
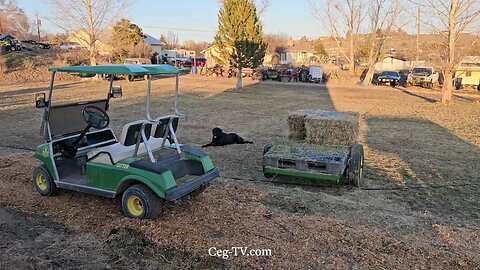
418, 205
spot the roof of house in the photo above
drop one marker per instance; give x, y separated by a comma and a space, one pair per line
471, 60
82, 37
4, 36
300, 46
395, 57
153, 41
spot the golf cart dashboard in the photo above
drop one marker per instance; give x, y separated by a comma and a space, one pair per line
93, 139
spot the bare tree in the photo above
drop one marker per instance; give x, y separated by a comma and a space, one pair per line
451, 19
383, 16
13, 20
343, 19
262, 6
86, 19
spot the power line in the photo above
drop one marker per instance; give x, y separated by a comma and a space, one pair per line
211, 31
181, 29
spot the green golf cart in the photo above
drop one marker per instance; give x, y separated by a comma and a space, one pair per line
146, 165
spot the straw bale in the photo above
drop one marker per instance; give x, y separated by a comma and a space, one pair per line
332, 128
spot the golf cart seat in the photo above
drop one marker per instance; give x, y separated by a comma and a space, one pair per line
125, 148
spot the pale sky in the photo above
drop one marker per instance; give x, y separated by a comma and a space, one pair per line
197, 19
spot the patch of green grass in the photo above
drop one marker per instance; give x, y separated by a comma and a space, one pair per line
15, 61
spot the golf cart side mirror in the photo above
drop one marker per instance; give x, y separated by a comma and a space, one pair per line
117, 91
40, 101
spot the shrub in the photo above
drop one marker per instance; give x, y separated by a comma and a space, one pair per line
141, 50
75, 58
28, 63
3, 65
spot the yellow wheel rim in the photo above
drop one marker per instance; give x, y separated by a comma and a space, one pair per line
135, 206
41, 181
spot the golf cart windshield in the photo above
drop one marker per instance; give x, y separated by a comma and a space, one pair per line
65, 119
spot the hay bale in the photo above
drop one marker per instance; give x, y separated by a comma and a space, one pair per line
332, 128
296, 125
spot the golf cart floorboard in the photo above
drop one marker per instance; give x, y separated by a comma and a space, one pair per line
69, 173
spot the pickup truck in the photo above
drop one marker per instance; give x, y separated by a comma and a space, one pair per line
423, 76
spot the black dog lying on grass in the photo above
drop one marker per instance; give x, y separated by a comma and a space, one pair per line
220, 138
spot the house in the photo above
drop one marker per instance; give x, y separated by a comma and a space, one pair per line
81, 37
154, 43
212, 54
298, 53
468, 72
391, 63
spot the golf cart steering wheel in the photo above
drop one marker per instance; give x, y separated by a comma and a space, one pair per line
95, 117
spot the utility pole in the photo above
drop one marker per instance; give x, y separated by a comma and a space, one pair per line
38, 22
418, 36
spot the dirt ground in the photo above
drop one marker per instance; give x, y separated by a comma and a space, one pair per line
417, 208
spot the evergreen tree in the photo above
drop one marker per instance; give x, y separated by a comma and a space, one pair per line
125, 37
239, 39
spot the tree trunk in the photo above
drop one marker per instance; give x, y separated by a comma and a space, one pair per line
351, 55
447, 88
239, 79
450, 68
369, 76
91, 34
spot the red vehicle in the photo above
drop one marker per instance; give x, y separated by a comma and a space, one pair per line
189, 62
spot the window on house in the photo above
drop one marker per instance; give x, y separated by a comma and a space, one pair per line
304, 55
468, 74
283, 56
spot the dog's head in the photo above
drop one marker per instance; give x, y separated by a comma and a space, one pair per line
216, 132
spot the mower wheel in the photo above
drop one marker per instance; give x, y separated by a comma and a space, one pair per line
267, 175
139, 201
43, 181
266, 149
355, 168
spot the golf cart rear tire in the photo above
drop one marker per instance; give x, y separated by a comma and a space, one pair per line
48, 188
130, 78
357, 162
151, 204
198, 191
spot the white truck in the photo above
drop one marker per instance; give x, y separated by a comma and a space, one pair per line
315, 74
423, 76
173, 57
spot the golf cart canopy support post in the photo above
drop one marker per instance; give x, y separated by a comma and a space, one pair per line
134, 70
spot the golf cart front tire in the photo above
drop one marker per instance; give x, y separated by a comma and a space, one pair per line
43, 182
139, 201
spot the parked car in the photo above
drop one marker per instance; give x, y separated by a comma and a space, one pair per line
136, 61
423, 76
189, 62
37, 45
388, 77
67, 46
